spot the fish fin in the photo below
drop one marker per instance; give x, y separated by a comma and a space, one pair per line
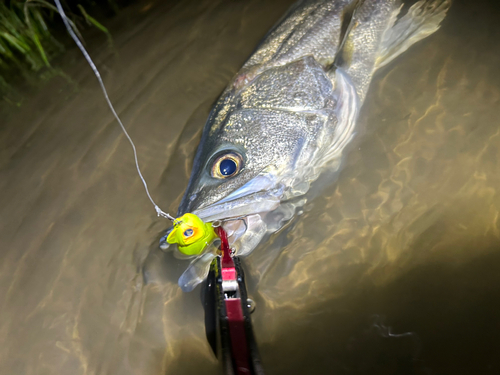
342, 57
347, 110
422, 19
196, 272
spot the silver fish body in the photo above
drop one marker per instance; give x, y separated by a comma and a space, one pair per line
292, 109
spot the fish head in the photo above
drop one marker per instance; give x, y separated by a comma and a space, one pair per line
263, 144
248, 167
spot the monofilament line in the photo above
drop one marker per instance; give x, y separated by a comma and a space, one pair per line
98, 75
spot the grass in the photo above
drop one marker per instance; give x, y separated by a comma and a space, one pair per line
31, 36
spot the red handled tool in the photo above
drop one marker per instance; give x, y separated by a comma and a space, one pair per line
227, 314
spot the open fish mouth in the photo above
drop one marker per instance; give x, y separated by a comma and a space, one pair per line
242, 215
254, 203
259, 214
261, 192
246, 221
242, 212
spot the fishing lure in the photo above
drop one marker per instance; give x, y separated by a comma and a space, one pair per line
191, 234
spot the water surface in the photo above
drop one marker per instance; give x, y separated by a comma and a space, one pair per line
392, 269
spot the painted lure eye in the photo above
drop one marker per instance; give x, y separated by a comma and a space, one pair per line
227, 165
188, 232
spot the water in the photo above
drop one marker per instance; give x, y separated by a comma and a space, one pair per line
393, 269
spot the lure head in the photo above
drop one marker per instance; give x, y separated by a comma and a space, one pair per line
191, 234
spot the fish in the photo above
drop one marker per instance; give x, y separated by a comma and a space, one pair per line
289, 113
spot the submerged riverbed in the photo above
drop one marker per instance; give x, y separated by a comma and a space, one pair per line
392, 269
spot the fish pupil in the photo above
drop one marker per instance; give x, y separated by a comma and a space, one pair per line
227, 167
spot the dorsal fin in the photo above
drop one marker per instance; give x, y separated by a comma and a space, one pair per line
342, 56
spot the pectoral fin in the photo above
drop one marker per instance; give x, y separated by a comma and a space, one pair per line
196, 272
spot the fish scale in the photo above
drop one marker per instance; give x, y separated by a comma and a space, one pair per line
311, 28
299, 86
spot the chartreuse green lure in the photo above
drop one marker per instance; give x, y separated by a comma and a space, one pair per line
191, 234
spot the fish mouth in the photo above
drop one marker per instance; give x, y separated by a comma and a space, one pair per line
262, 193
247, 215
241, 213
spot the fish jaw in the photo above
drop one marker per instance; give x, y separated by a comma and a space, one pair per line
241, 213
255, 209
261, 194
251, 212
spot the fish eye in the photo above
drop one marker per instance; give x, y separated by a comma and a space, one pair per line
227, 165
188, 232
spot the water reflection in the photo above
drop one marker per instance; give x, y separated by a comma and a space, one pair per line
409, 232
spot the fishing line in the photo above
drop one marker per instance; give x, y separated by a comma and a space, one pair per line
98, 76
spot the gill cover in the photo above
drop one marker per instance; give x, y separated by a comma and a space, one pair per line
191, 234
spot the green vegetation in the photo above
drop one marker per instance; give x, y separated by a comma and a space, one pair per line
31, 35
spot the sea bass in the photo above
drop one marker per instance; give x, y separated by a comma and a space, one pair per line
290, 112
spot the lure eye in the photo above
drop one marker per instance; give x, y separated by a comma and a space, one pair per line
188, 232
227, 165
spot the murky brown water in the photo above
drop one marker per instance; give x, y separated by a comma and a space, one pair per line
407, 238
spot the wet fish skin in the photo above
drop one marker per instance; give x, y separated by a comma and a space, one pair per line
292, 108
290, 112
276, 110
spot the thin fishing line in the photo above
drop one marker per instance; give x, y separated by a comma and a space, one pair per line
98, 75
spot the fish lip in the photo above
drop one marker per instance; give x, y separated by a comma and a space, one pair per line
261, 193
240, 207
232, 231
